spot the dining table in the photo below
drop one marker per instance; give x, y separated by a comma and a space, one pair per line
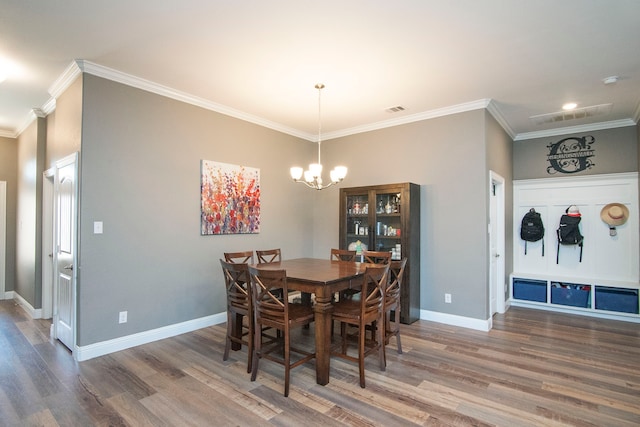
323, 278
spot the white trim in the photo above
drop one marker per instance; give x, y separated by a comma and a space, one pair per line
455, 320
501, 242
149, 86
497, 114
575, 129
68, 76
426, 115
3, 235
26, 306
568, 310
9, 295
90, 351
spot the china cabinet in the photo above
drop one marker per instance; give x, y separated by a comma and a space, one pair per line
386, 218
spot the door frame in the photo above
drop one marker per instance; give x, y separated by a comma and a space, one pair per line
48, 239
497, 285
72, 158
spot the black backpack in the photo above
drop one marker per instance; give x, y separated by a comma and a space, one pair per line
532, 229
569, 233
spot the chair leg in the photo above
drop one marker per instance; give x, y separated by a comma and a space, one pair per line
250, 339
287, 364
227, 345
381, 346
361, 339
257, 348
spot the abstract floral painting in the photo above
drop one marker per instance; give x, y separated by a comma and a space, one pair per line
229, 199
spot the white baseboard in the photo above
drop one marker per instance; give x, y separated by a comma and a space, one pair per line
455, 320
8, 295
35, 313
90, 351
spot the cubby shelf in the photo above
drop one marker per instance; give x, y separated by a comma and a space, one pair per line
613, 300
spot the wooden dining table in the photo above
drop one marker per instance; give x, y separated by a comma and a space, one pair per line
322, 277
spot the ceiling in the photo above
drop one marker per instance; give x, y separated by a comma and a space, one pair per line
260, 60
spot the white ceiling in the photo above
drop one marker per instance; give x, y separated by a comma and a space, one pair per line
260, 59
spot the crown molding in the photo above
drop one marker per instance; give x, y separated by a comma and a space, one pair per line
68, 76
426, 115
158, 89
499, 117
575, 129
4, 133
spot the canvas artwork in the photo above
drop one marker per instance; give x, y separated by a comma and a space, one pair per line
229, 199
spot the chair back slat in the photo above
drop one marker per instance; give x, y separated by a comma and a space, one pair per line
343, 255
269, 308
236, 277
245, 257
269, 255
373, 287
396, 274
377, 257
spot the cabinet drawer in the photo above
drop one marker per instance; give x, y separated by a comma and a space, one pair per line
570, 294
617, 299
530, 290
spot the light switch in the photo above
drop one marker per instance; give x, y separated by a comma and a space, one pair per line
97, 227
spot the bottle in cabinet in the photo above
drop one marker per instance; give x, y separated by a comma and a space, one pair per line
392, 224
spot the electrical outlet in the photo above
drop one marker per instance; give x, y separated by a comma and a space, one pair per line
447, 298
123, 317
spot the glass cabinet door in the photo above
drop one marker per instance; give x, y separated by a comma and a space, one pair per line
388, 224
357, 225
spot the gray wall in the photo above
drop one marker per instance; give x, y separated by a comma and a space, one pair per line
447, 157
31, 148
140, 162
615, 150
9, 173
499, 160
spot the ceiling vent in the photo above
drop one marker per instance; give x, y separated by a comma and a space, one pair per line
395, 109
578, 113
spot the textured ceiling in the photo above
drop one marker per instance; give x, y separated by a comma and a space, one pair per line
261, 59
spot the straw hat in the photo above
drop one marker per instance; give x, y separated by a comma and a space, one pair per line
614, 214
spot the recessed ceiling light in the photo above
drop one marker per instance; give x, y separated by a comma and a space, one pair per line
610, 80
569, 106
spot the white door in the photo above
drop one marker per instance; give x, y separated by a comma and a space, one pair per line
65, 196
496, 245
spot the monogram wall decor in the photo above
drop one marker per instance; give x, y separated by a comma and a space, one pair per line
571, 155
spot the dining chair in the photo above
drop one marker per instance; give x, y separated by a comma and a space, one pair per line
360, 313
244, 257
377, 257
343, 255
270, 310
239, 307
392, 302
269, 255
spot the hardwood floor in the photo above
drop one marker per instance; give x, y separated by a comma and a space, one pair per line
534, 368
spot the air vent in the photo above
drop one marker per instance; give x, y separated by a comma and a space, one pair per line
578, 113
394, 109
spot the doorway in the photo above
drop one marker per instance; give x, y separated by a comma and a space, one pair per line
65, 203
497, 301
47, 243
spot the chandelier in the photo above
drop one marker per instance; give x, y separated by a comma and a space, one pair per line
313, 175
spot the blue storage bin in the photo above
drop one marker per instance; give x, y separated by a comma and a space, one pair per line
617, 299
530, 290
570, 294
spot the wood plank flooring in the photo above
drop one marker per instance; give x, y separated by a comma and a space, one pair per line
534, 368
